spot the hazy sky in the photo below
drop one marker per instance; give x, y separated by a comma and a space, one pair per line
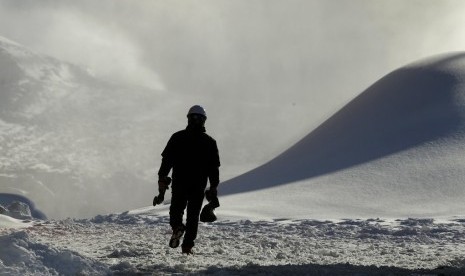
268, 71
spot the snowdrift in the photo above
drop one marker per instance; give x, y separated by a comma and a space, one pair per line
414, 115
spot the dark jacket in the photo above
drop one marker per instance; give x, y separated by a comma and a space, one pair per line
193, 156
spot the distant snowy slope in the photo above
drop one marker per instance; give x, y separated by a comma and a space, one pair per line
396, 149
72, 140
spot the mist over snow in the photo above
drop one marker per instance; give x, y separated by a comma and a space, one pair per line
70, 139
283, 65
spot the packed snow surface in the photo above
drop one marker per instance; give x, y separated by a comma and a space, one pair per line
137, 243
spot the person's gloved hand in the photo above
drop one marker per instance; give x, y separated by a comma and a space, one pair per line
164, 182
211, 193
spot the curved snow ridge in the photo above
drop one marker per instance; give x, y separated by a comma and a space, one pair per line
421, 103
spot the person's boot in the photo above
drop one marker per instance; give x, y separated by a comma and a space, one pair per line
187, 250
178, 232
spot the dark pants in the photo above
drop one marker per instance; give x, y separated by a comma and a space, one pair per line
192, 200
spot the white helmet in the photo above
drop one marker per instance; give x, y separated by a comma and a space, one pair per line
197, 109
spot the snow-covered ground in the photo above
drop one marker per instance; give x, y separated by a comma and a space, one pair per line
136, 243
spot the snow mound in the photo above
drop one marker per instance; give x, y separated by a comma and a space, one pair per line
419, 104
19, 207
20, 256
18, 210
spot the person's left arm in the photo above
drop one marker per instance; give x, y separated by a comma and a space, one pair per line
214, 172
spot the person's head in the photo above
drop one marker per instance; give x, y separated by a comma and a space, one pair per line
196, 116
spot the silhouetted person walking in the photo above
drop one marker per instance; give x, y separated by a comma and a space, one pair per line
193, 156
